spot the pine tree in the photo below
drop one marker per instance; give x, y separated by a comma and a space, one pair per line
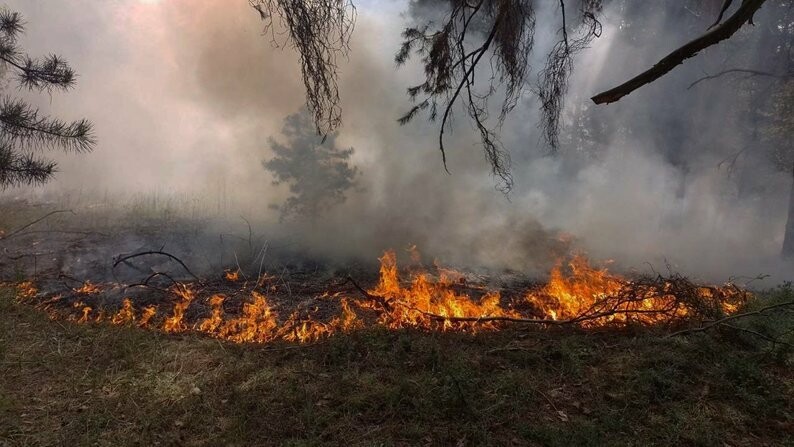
317, 171
24, 132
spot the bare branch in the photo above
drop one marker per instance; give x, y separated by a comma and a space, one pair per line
725, 5
119, 259
731, 318
749, 72
719, 33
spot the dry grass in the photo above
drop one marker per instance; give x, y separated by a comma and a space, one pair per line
64, 384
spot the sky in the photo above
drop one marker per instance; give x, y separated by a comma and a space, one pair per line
184, 95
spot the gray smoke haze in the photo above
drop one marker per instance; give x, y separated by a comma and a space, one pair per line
185, 93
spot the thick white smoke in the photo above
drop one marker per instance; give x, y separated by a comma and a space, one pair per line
184, 95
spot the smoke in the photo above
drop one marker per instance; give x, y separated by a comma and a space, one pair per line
185, 93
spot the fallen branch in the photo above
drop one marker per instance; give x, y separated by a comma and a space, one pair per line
388, 306
543, 321
717, 34
62, 275
384, 303
729, 318
774, 341
118, 260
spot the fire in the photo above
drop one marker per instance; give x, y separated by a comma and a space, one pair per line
257, 324
85, 317
211, 324
232, 275
427, 303
175, 323
576, 294
89, 288
595, 297
126, 315
571, 296
146, 315
26, 289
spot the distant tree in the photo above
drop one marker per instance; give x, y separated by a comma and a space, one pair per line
23, 130
318, 173
779, 132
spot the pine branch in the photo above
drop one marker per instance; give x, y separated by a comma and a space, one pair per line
22, 126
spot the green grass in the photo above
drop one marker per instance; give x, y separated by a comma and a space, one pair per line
64, 384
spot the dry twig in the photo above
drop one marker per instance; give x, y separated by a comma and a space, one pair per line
119, 259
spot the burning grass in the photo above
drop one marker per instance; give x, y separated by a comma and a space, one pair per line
576, 295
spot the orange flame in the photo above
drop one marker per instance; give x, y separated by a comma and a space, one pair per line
576, 293
567, 297
258, 322
146, 315
175, 323
89, 288
598, 297
86, 314
125, 315
424, 301
26, 290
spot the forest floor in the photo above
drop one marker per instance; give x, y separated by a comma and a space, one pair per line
67, 384
63, 383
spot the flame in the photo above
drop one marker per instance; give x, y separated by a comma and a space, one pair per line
426, 303
26, 290
125, 315
89, 288
576, 293
86, 314
258, 322
597, 297
567, 297
232, 275
175, 323
211, 324
146, 315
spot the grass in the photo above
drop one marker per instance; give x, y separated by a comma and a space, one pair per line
66, 384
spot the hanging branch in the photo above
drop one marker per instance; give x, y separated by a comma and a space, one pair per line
453, 54
320, 30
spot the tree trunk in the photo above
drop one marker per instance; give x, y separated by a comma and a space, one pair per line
788, 240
